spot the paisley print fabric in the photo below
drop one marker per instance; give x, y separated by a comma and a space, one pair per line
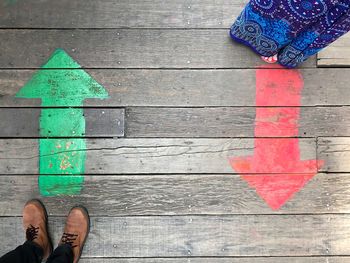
293, 29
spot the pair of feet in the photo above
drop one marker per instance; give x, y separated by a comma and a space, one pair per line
35, 223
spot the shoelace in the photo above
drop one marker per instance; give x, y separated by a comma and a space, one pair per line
69, 239
32, 232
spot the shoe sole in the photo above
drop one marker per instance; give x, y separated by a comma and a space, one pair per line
46, 222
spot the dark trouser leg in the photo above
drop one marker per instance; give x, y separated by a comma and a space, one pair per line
29, 252
62, 254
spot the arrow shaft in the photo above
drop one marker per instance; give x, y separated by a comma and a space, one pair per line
62, 156
67, 122
277, 122
280, 89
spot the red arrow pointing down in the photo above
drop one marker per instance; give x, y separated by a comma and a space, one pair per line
275, 170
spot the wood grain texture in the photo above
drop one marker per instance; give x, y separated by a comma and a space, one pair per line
230, 122
23, 122
104, 122
177, 122
134, 156
175, 195
122, 13
129, 48
206, 236
336, 61
337, 54
336, 153
171, 200
187, 88
222, 260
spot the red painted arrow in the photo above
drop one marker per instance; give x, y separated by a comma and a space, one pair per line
275, 170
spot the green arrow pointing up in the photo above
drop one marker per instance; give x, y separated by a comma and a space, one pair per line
62, 83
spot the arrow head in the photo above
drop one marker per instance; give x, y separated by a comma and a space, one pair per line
275, 189
62, 82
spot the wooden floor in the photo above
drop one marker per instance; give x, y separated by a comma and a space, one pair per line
182, 101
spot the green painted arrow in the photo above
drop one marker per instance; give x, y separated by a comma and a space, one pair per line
62, 83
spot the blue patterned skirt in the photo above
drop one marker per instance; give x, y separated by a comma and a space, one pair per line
293, 29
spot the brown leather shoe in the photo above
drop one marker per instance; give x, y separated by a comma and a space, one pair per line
35, 225
76, 230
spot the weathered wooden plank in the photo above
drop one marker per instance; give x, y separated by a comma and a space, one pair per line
190, 122
230, 122
336, 61
183, 88
129, 48
175, 195
23, 122
335, 152
104, 122
224, 122
337, 54
19, 122
205, 236
122, 13
324, 121
142, 156
221, 260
